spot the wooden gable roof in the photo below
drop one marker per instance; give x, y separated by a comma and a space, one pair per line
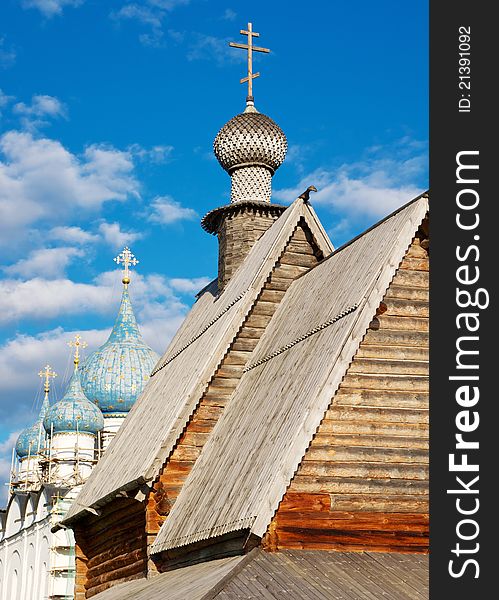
259, 441
159, 416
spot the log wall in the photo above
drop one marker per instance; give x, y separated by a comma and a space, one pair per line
363, 482
110, 548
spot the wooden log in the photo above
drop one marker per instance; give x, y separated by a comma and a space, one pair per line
382, 415
403, 323
291, 271
401, 504
371, 470
345, 547
278, 283
227, 372
412, 278
251, 332
393, 352
379, 427
347, 440
124, 516
237, 357
262, 308
382, 487
408, 293
366, 454
415, 264
195, 439
113, 537
348, 396
391, 337
132, 572
416, 383
187, 452
109, 561
245, 344
257, 321
298, 259
386, 366
209, 412
353, 520
406, 308
274, 296
416, 251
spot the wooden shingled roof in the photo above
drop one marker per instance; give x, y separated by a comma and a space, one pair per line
259, 441
156, 421
294, 575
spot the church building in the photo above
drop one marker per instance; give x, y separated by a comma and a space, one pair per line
55, 456
280, 447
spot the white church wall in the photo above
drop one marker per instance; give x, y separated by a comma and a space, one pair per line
36, 564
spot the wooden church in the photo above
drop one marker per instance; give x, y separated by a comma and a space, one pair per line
280, 448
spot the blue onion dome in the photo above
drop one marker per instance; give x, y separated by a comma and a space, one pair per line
30, 439
74, 413
114, 375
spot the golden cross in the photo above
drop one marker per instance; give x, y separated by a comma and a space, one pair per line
250, 48
127, 258
47, 373
77, 343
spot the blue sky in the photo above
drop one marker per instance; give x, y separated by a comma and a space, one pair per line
108, 111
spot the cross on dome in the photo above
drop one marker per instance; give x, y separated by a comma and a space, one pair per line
250, 48
127, 258
47, 373
77, 343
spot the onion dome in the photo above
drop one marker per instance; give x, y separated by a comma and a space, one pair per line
114, 375
30, 439
250, 147
250, 138
74, 413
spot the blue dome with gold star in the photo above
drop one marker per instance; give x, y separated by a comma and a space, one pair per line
31, 439
114, 375
74, 413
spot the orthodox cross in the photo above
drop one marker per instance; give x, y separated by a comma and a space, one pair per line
250, 48
47, 373
77, 343
127, 258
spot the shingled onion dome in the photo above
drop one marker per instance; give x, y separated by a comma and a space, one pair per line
250, 147
30, 439
74, 413
114, 375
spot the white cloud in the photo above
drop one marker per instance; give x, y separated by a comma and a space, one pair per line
42, 299
152, 14
35, 115
362, 192
72, 235
7, 55
42, 180
47, 263
50, 8
229, 15
45, 299
188, 286
214, 49
4, 100
6, 445
42, 106
166, 210
115, 237
157, 154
